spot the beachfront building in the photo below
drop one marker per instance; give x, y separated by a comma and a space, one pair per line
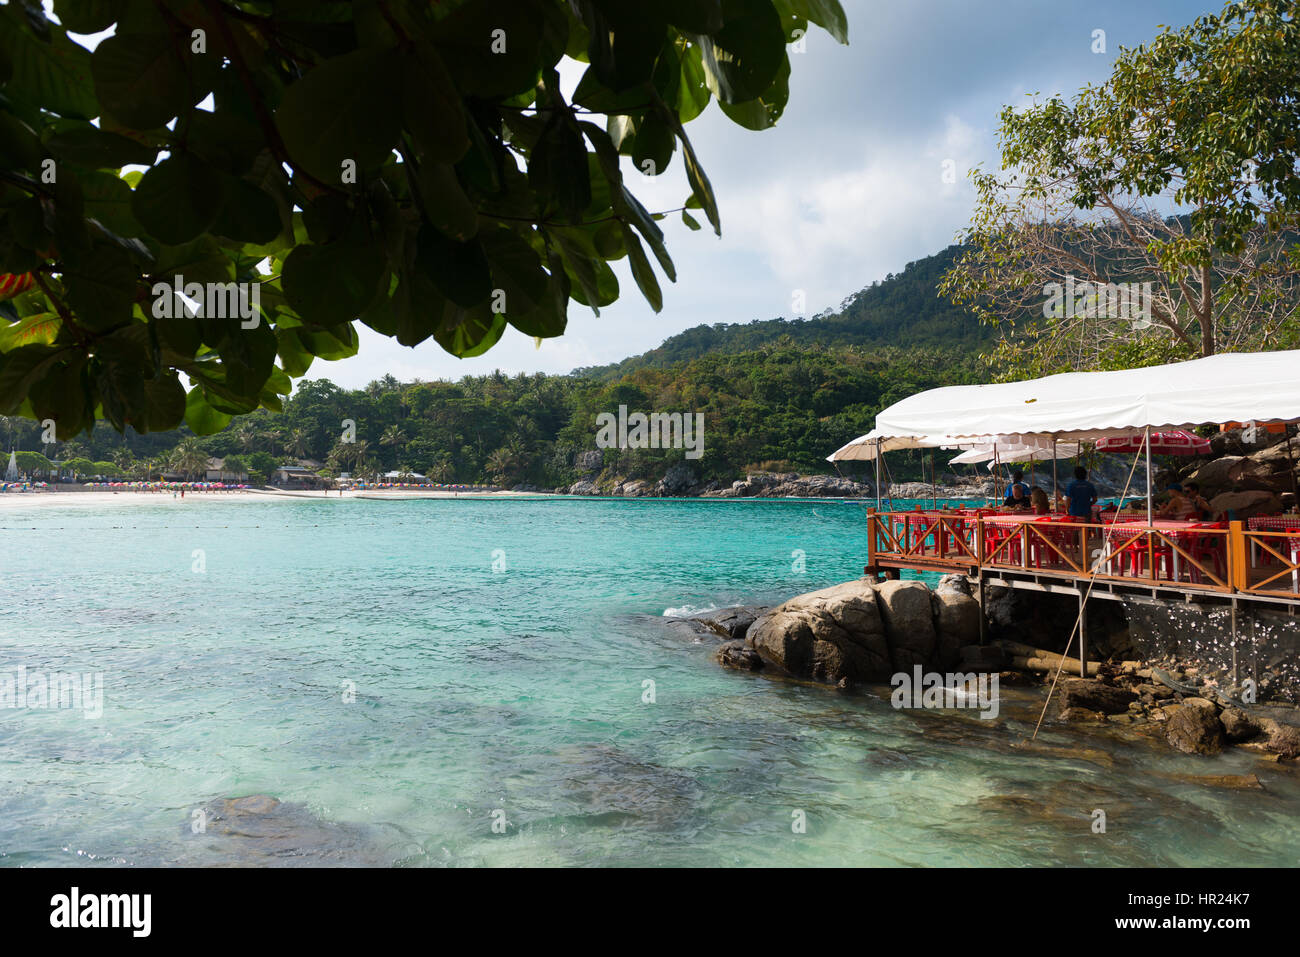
217, 472
297, 476
408, 478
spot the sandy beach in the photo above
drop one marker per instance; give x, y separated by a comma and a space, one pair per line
102, 498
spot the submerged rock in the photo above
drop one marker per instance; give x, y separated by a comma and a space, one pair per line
733, 622
737, 654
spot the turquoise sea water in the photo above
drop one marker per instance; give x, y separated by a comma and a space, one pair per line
517, 695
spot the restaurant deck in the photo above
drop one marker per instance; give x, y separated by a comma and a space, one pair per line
1121, 557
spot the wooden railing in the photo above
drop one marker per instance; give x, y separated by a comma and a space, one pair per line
1223, 557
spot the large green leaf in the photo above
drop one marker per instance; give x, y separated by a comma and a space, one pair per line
40, 328
827, 14
332, 283
624, 42
445, 202
475, 333
652, 150
201, 417
763, 112
741, 60
88, 16
85, 145
108, 200
642, 271
492, 47
101, 289
178, 199
141, 79
347, 108
459, 270
54, 76
431, 107
248, 214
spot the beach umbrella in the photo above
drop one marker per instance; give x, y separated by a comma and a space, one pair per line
1175, 442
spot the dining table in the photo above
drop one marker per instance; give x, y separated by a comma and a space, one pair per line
1178, 530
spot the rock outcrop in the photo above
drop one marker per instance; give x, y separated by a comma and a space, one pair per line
863, 631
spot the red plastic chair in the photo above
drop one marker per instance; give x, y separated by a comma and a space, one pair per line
1208, 548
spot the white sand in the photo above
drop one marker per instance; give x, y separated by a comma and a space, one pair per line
102, 498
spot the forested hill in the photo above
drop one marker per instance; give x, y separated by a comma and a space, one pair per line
902, 308
775, 395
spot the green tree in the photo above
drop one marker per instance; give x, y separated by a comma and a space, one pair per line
32, 463
411, 165
1203, 119
189, 458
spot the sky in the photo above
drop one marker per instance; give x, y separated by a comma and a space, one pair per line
847, 188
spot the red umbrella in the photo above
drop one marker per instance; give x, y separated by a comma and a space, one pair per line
1177, 442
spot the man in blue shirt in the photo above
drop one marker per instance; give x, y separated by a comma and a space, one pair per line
1082, 494
1017, 492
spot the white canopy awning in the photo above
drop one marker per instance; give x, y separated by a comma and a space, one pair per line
1235, 387
1017, 453
863, 448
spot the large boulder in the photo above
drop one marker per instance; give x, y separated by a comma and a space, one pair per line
908, 615
1195, 731
956, 623
831, 634
1246, 504
1217, 475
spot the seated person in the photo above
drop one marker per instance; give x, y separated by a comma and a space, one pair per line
1192, 492
1017, 492
1038, 499
1082, 495
1177, 507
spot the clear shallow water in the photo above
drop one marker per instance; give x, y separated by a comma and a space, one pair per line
521, 690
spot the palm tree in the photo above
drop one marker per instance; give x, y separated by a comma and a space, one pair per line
393, 435
124, 459
189, 458
502, 465
296, 442
247, 436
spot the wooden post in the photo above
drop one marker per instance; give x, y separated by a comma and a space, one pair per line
872, 527
984, 616
1083, 631
1238, 557
1236, 674
979, 542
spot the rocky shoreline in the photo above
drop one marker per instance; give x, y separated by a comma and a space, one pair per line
860, 635
1253, 469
